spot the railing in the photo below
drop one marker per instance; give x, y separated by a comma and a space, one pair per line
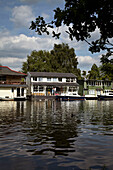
9, 82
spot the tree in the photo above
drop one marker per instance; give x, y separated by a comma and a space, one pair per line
94, 73
84, 74
106, 67
37, 61
60, 59
63, 58
82, 17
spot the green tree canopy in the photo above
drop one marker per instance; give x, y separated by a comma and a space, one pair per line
106, 67
60, 59
37, 61
82, 18
94, 73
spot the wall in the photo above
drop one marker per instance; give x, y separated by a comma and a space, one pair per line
7, 92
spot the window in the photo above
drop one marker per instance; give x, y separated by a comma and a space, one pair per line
54, 79
34, 78
67, 80
72, 80
70, 89
48, 79
40, 88
74, 89
60, 79
40, 79
2, 78
35, 88
91, 91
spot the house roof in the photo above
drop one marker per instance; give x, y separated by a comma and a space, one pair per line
13, 85
4, 70
52, 74
54, 84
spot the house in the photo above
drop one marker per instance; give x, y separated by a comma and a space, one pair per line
50, 83
93, 88
12, 83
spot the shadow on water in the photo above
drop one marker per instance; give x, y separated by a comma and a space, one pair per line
56, 135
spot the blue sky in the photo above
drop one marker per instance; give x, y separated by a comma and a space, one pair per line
17, 40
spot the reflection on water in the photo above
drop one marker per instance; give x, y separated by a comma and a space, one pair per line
56, 135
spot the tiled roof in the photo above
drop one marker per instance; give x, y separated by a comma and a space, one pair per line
54, 84
52, 74
4, 70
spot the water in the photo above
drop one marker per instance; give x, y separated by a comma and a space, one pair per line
47, 135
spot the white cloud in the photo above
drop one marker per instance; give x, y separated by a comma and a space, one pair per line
10, 60
14, 63
23, 42
86, 59
14, 49
22, 16
86, 62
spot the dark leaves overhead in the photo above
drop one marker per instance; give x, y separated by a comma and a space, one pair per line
82, 18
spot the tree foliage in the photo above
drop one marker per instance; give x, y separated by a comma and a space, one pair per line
82, 17
84, 74
60, 59
106, 67
94, 73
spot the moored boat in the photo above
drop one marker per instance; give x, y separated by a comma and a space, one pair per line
70, 96
12, 99
6, 99
91, 97
106, 96
19, 98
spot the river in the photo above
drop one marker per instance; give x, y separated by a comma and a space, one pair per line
51, 135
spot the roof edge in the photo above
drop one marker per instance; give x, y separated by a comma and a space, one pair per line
14, 70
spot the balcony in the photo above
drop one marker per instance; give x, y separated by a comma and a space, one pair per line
14, 83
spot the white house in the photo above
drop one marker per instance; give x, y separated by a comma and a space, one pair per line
12, 84
51, 83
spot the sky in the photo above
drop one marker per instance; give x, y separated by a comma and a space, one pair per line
17, 41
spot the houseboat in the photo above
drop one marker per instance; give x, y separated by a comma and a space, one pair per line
12, 84
91, 89
107, 95
51, 83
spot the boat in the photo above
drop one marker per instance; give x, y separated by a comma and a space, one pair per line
70, 96
91, 97
19, 98
12, 99
6, 99
107, 95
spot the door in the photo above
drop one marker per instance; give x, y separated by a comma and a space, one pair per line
22, 92
18, 92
